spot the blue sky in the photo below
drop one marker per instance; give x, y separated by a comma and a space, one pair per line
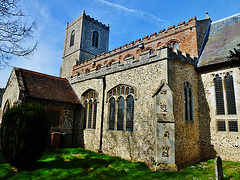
128, 20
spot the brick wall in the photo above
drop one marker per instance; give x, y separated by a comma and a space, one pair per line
185, 33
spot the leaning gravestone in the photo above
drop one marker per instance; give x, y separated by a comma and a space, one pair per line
218, 168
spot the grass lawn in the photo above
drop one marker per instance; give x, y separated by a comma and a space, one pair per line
77, 163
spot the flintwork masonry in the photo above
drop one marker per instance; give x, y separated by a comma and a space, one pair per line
168, 99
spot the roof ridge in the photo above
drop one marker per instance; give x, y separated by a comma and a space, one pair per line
42, 74
238, 14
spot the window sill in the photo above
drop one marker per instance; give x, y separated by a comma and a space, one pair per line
117, 131
228, 133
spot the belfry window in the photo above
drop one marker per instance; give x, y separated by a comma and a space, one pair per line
188, 100
90, 109
121, 108
72, 38
95, 39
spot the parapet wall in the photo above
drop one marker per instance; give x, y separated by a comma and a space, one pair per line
184, 33
89, 19
131, 62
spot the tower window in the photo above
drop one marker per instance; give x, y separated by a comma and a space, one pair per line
95, 39
72, 38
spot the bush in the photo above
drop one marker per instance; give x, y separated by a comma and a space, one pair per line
24, 133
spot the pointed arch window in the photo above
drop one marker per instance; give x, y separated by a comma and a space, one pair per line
230, 95
90, 109
188, 96
121, 108
6, 106
225, 103
95, 39
72, 38
94, 114
219, 95
130, 114
90, 106
112, 111
85, 113
120, 114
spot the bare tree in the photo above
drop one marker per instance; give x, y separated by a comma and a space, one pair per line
14, 30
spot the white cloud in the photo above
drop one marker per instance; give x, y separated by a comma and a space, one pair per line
137, 13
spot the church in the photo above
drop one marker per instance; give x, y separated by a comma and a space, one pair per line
168, 99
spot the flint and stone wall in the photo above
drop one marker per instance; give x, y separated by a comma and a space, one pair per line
82, 49
213, 142
146, 75
186, 132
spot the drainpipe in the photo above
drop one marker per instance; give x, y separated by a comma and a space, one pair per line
103, 98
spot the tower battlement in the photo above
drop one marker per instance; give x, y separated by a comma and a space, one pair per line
89, 18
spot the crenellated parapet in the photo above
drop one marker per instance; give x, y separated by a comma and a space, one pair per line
162, 53
89, 18
177, 33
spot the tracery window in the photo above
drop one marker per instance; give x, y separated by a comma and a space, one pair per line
225, 103
121, 108
72, 38
188, 98
95, 39
90, 109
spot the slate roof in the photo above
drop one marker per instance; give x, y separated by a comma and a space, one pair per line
42, 86
224, 35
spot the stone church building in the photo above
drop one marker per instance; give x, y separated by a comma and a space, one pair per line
168, 99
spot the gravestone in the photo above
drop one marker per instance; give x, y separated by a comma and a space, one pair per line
218, 168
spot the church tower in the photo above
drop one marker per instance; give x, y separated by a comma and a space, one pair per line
85, 37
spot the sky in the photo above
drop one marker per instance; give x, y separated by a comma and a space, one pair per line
129, 20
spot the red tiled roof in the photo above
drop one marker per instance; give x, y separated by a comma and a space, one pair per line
38, 85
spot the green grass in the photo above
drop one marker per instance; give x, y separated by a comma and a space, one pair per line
77, 163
